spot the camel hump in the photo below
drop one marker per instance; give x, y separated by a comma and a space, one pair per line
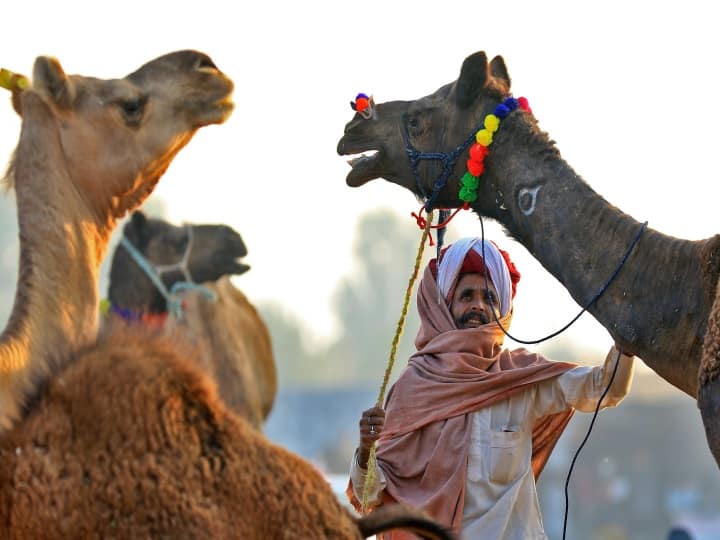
401, 516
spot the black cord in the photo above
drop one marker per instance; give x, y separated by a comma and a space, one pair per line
617, 360
587, 435
583, 310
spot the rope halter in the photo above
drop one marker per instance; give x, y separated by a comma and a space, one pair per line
155, 273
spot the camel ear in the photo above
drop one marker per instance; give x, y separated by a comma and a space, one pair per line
50, 79
137, 230
499, 71
473, 76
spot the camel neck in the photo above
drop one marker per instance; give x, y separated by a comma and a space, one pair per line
581, 239
55, 312
574, 233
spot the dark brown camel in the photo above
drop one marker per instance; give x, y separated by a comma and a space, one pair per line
210, 252
124, 437
236, 346
657, 307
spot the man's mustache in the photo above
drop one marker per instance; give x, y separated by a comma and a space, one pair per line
465, 317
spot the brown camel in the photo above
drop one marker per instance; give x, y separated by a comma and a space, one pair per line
89, 151
124, 437
236, 345
657, 306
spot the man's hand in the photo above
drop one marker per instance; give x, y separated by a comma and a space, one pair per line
371, 424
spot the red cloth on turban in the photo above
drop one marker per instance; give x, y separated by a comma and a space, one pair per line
473, 264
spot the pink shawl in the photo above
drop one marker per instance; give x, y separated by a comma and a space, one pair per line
424, 446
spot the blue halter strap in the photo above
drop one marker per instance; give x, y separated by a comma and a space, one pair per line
155, 272
447, 159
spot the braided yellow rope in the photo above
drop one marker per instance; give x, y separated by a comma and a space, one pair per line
370, 478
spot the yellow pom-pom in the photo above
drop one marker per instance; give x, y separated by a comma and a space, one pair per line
484, 137
492, 123
104, 307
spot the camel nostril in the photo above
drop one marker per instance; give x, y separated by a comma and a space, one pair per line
205, 63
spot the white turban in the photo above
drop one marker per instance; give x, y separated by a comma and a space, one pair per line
453, 258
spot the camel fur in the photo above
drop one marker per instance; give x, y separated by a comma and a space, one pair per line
236, 345
164, 460
658, 305
124, 436
710, 380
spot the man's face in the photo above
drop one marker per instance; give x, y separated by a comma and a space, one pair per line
472, 303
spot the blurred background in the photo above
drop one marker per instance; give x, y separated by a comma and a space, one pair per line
627, 92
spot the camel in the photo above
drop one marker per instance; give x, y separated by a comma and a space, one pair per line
89, 151
190, 253
123, 435
545, 205
235, 341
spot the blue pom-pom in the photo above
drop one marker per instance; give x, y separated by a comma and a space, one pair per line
501, 111
511, 103
361, 95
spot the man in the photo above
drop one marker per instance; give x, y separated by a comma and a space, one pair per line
469, 425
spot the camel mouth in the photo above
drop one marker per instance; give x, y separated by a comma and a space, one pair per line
365, 163
216, 113
239, 268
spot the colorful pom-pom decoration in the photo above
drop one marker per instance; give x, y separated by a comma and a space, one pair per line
470, 181
104, 307
483, 137
491, 123
364, 105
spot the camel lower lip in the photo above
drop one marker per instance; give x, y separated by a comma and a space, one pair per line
355, 182
364, 167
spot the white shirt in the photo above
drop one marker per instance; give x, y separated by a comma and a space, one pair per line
500, 496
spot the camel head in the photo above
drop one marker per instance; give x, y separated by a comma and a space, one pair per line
439, 122
207, 253
116, 137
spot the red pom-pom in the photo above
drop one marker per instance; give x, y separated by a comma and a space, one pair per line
475, 168
478, 152
361, 104
524, 105
514, 274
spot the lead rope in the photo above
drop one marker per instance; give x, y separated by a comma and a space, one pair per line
370, 476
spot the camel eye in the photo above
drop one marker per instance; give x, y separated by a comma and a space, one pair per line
133, 109
412, 124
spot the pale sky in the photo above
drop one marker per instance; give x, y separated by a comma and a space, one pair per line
628, 90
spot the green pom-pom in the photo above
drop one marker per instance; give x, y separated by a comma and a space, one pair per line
470, 181
467, 195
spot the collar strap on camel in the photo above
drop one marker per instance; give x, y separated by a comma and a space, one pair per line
174, 302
